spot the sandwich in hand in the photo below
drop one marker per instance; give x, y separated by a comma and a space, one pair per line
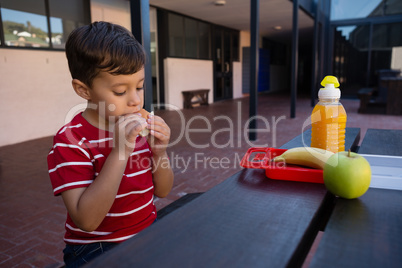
144, 113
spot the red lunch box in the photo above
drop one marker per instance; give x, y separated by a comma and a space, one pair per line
260, 158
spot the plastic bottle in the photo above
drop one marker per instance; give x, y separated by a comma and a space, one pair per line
328, 118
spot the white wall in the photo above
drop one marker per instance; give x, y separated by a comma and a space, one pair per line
186, 74
36, 97
237, 66
115, 11
396, 61
237, 80
35, 86
244, 42
35, 94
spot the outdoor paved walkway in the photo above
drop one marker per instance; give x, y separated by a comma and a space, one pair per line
32, 220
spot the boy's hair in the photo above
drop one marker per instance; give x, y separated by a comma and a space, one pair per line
102, 46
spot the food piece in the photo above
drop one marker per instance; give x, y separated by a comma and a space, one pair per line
144, 114
347, 175
305, 156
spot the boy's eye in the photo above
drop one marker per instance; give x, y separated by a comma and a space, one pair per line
119, 93
140, 88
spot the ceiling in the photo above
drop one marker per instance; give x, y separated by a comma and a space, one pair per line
236, 14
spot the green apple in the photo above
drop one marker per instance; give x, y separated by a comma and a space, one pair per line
347, 175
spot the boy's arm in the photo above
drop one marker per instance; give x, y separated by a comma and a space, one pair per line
88, 206
162, 175
162, 172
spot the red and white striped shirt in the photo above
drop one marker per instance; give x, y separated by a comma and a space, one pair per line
75, 160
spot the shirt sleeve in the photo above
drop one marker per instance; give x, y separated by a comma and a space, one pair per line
70, 166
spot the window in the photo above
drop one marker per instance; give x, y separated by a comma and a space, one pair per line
361, 52
188, 38
24, 24
40, 23
191, 34
350, 57
235, 46
386, 43
346, 9
176, 35
204, 40
65, 16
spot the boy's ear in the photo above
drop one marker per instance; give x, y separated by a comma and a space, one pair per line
81, 89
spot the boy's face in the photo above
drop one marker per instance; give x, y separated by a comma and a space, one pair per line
117, 95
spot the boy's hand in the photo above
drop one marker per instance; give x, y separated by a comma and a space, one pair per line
126, 130
160, 134
158, 140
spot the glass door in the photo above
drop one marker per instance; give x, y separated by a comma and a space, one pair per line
363, 54
350, 58
222, 64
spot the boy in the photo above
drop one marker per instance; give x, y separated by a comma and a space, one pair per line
105, 172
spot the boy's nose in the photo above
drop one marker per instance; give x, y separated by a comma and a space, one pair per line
133, 98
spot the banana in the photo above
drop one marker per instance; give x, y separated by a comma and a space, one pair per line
305, 156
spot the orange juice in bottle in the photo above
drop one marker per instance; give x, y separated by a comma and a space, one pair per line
328, 119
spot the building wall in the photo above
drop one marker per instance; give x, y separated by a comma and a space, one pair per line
186, 74
279, 74
115, 11
36, 97
237, 80
396, 60
237, 66
35, 94
280, 77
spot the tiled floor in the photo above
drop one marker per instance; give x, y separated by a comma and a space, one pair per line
32, 220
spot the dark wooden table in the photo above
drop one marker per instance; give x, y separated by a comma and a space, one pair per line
382, 142
366, 232
246, 221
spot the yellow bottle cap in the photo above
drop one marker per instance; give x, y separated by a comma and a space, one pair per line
329, 79
331, 88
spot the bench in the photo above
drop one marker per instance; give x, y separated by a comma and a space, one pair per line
364, 95
198, 96
394, 94
389, 97
370, 102
375, 100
